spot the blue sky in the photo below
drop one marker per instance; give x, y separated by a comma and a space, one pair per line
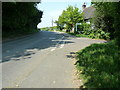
53, 9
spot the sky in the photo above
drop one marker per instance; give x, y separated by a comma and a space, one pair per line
52, 9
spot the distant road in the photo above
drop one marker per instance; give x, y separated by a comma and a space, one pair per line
41, 60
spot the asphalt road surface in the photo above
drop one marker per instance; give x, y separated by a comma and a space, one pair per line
41, 60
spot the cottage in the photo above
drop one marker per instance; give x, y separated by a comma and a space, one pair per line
88, 12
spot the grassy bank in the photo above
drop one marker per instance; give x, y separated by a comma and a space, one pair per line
98, 65
79, 35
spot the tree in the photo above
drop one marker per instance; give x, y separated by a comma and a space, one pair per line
70, 17
19, 18
59, 25
103, 18
116, 15
108, 18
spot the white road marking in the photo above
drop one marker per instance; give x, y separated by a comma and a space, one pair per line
62, 44
60, 40
53, 49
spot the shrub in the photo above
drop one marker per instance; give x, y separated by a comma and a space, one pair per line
99, 34
99, 64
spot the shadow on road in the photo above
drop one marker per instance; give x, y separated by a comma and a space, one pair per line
24, 48
71, 55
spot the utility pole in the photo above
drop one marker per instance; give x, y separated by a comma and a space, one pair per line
52, 23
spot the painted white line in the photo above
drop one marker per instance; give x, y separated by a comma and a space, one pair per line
60, 40
62, 44
53, 49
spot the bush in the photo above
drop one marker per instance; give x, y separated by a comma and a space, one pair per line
99, 34
99, 64
86, 29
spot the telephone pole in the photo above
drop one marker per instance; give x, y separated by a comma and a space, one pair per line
52, 23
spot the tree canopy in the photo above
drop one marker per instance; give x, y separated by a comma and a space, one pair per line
107, 18
19, 18
69, 18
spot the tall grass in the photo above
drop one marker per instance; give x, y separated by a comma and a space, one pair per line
99, 65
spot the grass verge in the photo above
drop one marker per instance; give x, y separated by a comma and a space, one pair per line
98, 65
79, 35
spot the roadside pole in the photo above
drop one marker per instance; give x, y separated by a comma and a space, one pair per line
52, 23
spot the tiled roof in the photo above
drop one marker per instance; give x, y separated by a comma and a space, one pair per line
88, 12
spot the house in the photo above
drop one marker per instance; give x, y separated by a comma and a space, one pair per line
88, 12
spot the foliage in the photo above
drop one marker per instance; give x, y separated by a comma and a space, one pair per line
104, 19
116, 15
99, 65
85, 30
69, 18
98, 34
107, 18
19, 18
78, 35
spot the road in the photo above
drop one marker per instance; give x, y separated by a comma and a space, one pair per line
41, 60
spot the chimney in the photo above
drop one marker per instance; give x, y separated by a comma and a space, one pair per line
83, 6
